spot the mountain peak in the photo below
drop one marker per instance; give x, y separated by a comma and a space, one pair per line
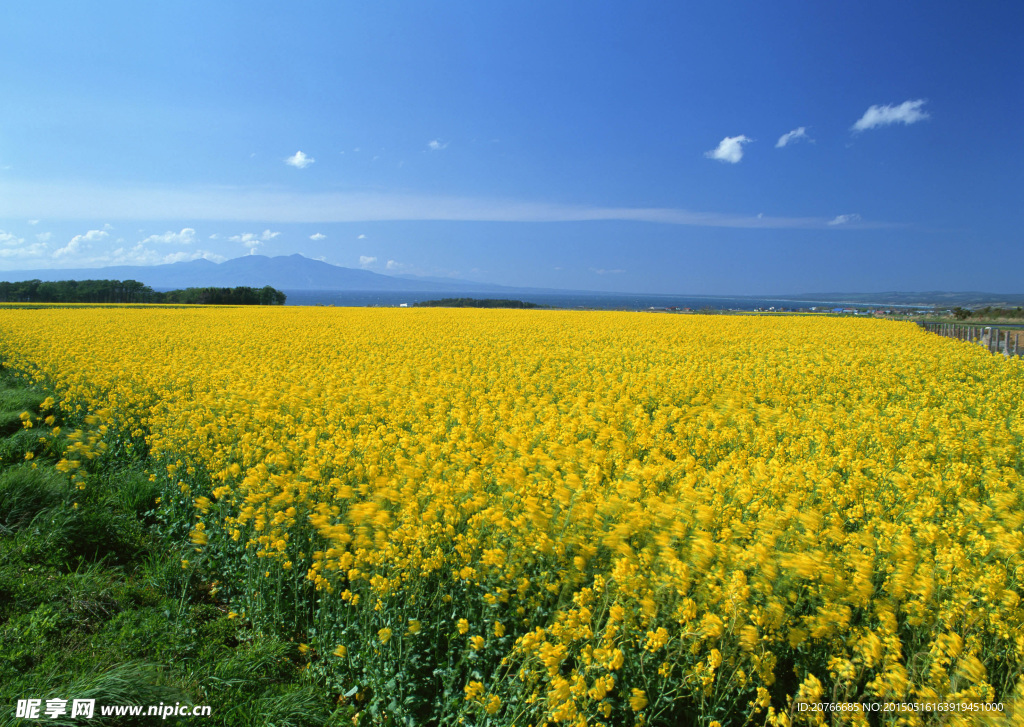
284, 272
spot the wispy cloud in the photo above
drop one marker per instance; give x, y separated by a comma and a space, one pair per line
729, 150
236, 204
794, 135
16, 250
177, 257
366, 260
299, 160
436, 144
394, 265
187, 236
247, 238
13, 247
33, 222
908, 112
139, 254
80, 243
44, 236
360, 237
254, 240
318, 236
603, 271
844, 219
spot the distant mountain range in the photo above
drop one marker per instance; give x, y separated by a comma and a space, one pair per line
298, 273
292, 272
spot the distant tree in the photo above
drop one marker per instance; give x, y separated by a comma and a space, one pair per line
131, 291
961, 313
475, 303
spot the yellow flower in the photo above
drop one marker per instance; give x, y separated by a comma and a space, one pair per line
340, 651
477, 642
462, 625
384, 635
414, 626
638, 700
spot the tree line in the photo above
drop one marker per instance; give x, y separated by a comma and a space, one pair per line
475, 303
132, 291
962, 314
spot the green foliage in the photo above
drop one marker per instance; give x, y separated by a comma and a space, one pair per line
26, 492
132, 291
476, 303
77, 291
13, 402
226, 296
95, 603
988, 313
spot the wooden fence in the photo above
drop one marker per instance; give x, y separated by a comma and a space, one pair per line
1007, 341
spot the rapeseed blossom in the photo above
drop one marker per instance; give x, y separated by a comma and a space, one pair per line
654, 516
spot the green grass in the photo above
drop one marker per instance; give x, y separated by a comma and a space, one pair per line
95, 603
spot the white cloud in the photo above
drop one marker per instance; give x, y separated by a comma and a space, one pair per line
730, 149
13, 247
436, 144
844, 219
248, 238
318, 236
361, 237
80, 243
107, 226
214, 236
139, 254
33, 222
794, 135
603, 271
299, 160
35, 250
186, 237
908, 112
365, 260
10, 239
394, 265
44, 236
254, 240
183, 256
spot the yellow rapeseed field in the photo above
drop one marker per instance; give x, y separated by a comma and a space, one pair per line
520, 517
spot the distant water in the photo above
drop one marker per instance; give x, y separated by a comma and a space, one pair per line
590, 301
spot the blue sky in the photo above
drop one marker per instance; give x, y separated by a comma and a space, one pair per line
703, 148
